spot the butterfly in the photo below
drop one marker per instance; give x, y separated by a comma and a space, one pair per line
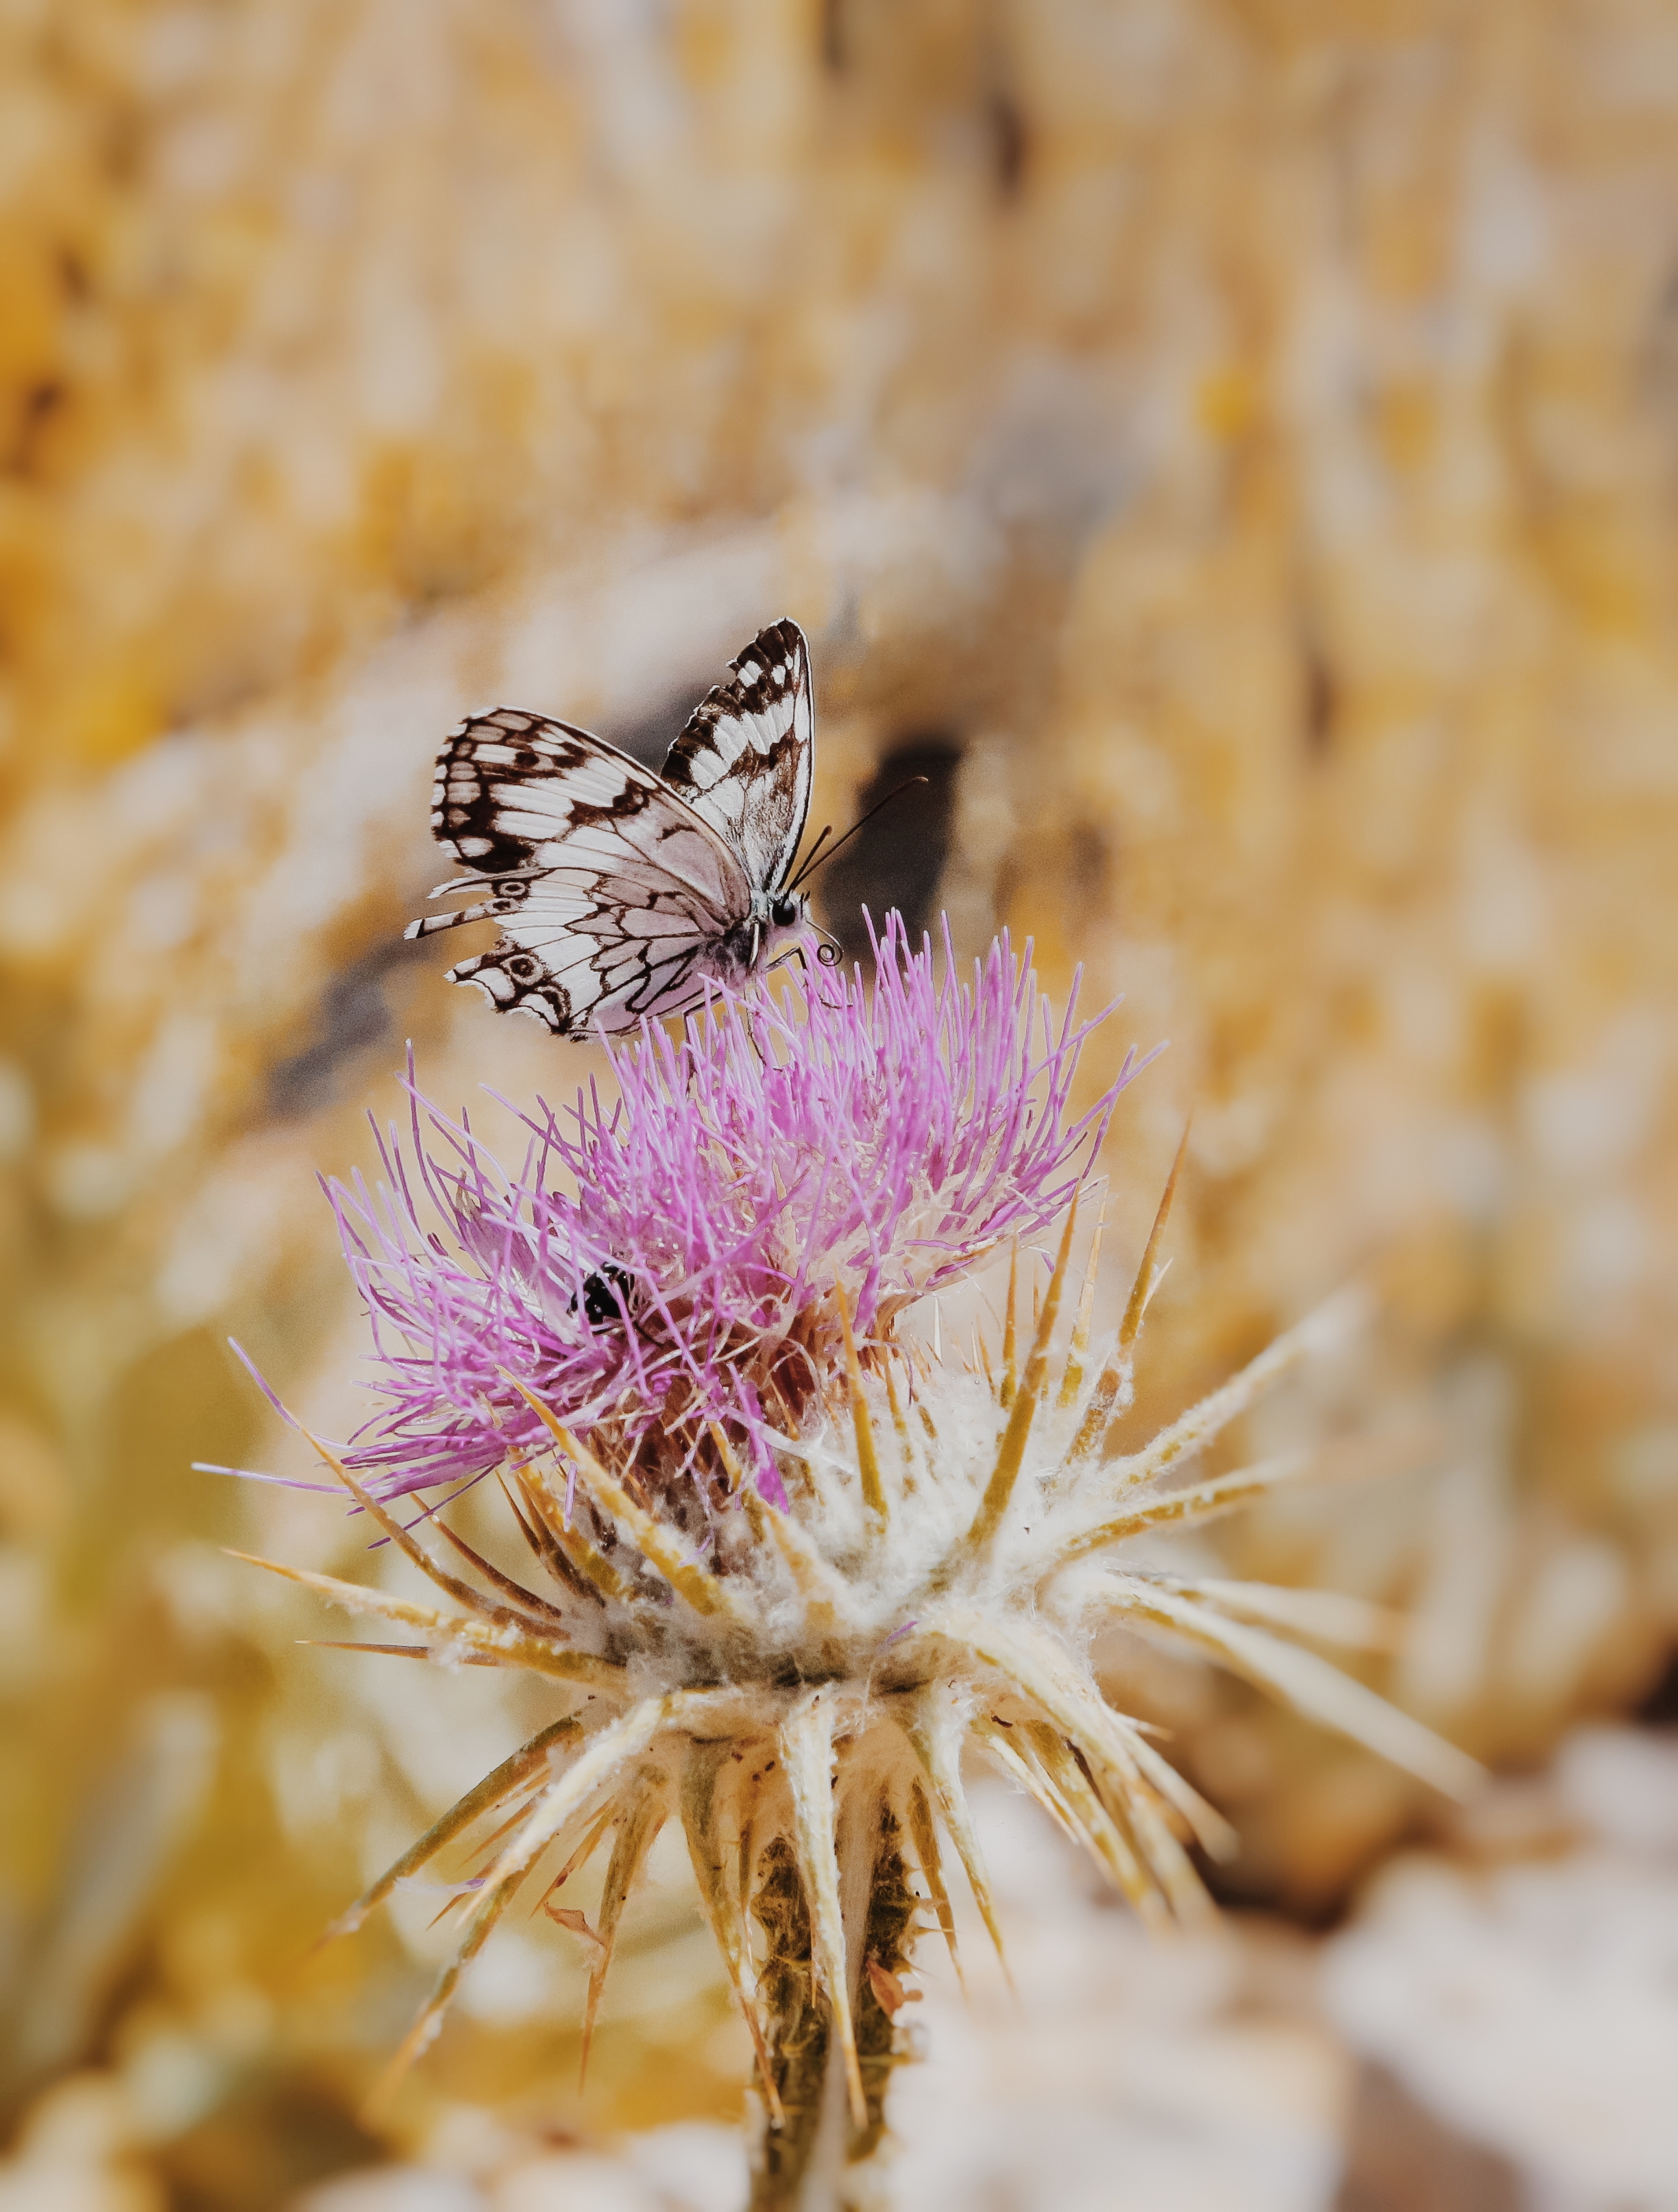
622, 893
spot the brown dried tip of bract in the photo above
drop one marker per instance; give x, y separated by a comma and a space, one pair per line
800, 1694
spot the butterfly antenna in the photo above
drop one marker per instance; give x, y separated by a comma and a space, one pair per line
813, 855
817, 856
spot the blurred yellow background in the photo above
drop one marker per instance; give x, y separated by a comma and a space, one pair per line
1232, 449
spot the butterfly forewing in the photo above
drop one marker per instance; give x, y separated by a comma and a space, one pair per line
621, 893
744, 760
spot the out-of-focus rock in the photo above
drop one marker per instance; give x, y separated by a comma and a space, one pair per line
1120, 2075
1528, 2004
1400, 2156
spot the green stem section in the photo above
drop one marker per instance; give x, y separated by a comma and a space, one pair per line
817, 2160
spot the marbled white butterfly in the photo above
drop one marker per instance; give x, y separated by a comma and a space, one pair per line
621, 893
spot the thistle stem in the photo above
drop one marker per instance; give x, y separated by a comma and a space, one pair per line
797, 2032
818, 2160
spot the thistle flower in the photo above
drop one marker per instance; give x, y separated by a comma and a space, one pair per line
792, 1563
671, 1260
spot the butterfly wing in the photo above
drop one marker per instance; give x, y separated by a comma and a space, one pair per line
744, 761
612, 892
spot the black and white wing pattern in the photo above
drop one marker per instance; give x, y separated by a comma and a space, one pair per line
621, 893
611, 891
744, 760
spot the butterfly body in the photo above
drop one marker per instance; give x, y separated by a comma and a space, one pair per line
622, 893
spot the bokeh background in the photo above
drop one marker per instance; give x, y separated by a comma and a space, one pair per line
1230, 448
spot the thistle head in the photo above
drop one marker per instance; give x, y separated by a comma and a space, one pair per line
674, 1257
791, 1555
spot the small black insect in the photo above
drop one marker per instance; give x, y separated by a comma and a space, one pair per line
605, 1295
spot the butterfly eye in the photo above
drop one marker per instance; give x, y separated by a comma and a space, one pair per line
523, 967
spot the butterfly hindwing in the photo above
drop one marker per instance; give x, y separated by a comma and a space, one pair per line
744, 760
582, 961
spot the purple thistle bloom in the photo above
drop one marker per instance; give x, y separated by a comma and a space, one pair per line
671, 1260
